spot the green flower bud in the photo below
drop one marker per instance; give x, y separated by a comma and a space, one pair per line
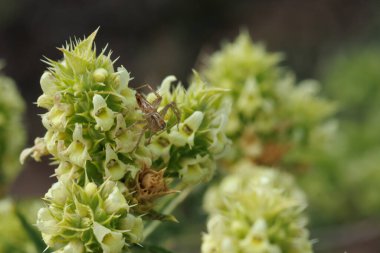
91, 189
100, 75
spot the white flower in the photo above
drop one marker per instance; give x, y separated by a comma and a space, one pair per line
115, 201
112, 242
103, 115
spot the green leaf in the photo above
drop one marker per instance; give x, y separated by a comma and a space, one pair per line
154, 215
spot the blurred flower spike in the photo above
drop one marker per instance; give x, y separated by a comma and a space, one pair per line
271, 115
256, 209
12, 132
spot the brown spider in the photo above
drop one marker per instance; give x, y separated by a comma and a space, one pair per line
154, 119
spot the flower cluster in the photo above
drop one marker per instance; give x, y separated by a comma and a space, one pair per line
90, 113
12, 133
191, 148
92, 137
90, 219
116, 150
256, 209
271, 115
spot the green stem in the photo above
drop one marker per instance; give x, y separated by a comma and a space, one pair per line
168, 208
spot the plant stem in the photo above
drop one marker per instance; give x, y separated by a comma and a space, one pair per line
169, 207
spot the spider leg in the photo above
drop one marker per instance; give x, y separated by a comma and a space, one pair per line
155, 102
136, 123
140, 136
175, 110
143, 86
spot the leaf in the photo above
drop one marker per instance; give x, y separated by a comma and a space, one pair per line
32, 232
154, 215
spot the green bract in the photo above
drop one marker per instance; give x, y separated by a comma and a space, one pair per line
12, 133
270, 114
256, 209
98, 136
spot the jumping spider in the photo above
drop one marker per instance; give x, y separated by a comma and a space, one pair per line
154, 119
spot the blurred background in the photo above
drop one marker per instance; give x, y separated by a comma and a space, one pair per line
334, 41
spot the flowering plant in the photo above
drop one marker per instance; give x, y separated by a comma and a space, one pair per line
113, 166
